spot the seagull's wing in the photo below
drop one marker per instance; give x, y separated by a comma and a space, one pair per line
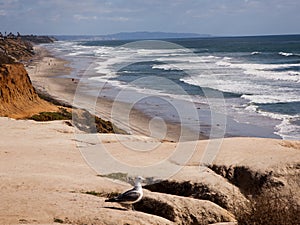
128, 196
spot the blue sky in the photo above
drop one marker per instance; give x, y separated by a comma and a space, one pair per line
216, 17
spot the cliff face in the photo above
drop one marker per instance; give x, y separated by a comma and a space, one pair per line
16, 48
12, 50
15, 84
18, 98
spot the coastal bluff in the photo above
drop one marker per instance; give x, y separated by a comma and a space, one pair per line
18, 98
45, 180
20, 48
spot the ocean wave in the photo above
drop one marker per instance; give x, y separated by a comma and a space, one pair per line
249, 89
76, 53
246, 80
287, 127
261, 98
158, 52
287, 130
276, 76
279, 72
188, 58
288, 108
288, 54
166, 67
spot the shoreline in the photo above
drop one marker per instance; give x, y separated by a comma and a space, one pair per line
55, 77
47, 73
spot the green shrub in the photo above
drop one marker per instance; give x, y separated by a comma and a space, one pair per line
62, 114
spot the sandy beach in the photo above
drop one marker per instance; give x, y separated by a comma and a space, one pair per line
47, 168
46, 73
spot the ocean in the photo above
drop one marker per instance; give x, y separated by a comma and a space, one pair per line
243, 86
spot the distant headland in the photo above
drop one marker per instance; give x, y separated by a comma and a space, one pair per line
144, 35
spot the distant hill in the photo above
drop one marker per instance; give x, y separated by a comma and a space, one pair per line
132, 36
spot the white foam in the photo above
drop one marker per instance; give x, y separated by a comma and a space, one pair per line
159, 52
287, 130
165, 67
268, 98
277, 76
76, 53
285, 54
266, 71
251, 108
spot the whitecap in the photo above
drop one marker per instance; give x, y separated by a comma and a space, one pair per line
165, 67
285, 54
287, 130
261, 98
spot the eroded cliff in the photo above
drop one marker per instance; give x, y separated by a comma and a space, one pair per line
18, 97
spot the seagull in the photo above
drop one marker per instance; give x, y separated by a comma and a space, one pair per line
131, 196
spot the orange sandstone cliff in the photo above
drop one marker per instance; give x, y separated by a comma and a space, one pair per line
18, 98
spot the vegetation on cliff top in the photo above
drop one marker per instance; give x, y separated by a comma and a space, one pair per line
14, 48
81, 119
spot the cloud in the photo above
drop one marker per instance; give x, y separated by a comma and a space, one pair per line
203, 16
83, 17
118, 19
2, 13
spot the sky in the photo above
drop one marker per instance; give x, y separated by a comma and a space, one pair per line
99, 17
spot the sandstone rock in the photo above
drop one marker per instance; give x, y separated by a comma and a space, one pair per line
255, 164
256, 167
15, 49
183, 210
17, 95
204, 184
